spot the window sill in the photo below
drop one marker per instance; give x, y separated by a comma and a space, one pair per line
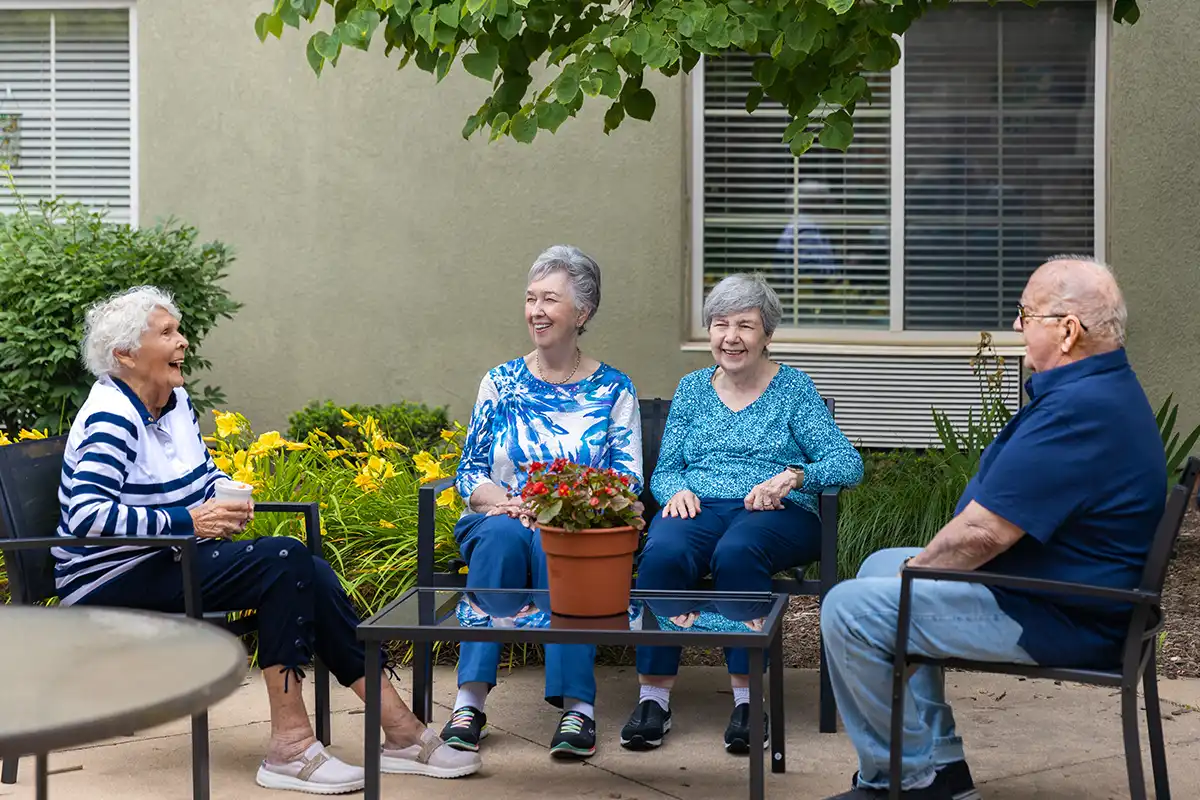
896, 343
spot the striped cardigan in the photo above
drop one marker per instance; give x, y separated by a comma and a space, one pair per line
126, 473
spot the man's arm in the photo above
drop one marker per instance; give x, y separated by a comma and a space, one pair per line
969, 541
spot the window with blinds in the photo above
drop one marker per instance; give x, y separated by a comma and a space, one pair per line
66, 107
998, 120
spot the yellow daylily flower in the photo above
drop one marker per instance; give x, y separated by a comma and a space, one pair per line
447, 498
380, 468
268, 442
383, 523
27, 435
334, 453
209, 439
293, 446
448, 435
449, 456
462, 570
365, 482
4, 439
223, 463
350, 422
428, 465
243, 467
227, 424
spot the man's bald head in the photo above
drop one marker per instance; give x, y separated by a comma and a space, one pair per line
1083, 286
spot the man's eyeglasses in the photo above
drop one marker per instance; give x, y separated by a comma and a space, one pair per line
1025, 316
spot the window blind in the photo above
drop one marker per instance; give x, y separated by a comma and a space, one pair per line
65, 76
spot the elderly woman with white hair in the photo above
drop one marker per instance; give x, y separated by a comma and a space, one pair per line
553, 402
135, 465
748, 446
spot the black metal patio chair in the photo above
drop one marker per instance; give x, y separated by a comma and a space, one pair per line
1138, 655
654, 422
29, 513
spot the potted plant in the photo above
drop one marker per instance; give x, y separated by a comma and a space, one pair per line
590, 522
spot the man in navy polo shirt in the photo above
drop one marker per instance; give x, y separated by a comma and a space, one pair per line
1072, 489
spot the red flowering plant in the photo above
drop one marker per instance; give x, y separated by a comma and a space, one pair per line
573, 497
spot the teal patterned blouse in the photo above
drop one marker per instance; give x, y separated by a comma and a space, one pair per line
721, 454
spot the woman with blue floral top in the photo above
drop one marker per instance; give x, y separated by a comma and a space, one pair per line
748, 446
553, 403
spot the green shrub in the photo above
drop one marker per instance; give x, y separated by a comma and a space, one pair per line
56, 259
416, 426
1175, 450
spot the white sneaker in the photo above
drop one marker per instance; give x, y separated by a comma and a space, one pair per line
432, 758
315, 772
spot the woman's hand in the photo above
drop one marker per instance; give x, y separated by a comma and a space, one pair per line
769, 495
219, 519
512, 506
683, 503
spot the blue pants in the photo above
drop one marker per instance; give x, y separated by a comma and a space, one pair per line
741, 549
501, 553
858, 620
300, 604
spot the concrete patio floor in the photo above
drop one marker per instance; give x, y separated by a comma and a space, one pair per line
1025, 739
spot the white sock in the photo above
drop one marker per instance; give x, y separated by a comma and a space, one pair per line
587, 709
659, 694
741, 694
472, 694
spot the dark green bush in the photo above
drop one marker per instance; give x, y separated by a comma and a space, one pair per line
413, 425
56, 259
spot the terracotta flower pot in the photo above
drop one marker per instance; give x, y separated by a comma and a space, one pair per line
589, 570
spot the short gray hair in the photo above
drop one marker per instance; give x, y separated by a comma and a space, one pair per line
743, 292
1094, 296
118, 323
583, 273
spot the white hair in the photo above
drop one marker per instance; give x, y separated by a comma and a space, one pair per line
582, 271
118, 323
1093, 295
741, 292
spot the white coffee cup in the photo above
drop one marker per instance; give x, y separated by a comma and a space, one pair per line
233, 492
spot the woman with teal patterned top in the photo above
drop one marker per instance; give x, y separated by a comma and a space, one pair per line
749, 444
553, 403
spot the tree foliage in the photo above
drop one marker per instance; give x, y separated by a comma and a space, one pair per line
812, 53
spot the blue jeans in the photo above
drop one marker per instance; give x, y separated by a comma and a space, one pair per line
858, 621
741, 549
501, 553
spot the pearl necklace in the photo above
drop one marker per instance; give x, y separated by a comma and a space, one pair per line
537, 360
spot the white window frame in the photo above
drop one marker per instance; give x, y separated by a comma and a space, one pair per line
866, 341
77, 5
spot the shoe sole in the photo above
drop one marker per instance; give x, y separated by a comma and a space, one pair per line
566, 751
741, 747
466, 747
969, 794
273, 780
402, 766
640, 743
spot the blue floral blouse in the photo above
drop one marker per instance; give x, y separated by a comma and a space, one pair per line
721, 454
519, 419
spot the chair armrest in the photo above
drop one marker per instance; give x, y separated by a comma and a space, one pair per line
1137, 596
312, 521
827, 510
426, 525
192, 605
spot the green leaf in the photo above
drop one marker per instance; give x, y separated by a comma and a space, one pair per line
795, 128
640, 105
551, 115
384, 5
1127, 11
328, 46
777, 47
567, 85
260, 26
838, 6
423, 24
315, 59
687, 26
474, 6
443, 65
603, 61
614, 117
640, 40
509, 26
802, 35
275, 27
753, 98
549, 512
482, 64
611, 85
621, 46
524, 127
591, 85
499, 126
473, 123
838, 131
800, 144
449, 13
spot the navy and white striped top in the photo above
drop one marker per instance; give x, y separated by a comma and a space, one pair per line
126, 473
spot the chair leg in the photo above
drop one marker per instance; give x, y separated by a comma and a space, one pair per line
321, 690
200, 786
1154, 728
828, 713
1133, 745
8, 774
778, 723
422, 690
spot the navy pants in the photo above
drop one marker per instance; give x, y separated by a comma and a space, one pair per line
301, 606
501, 553
741, 549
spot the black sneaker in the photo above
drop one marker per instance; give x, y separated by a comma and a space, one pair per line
938, 790
737, 734
467, 726
957, 777
575, 737
646, 727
